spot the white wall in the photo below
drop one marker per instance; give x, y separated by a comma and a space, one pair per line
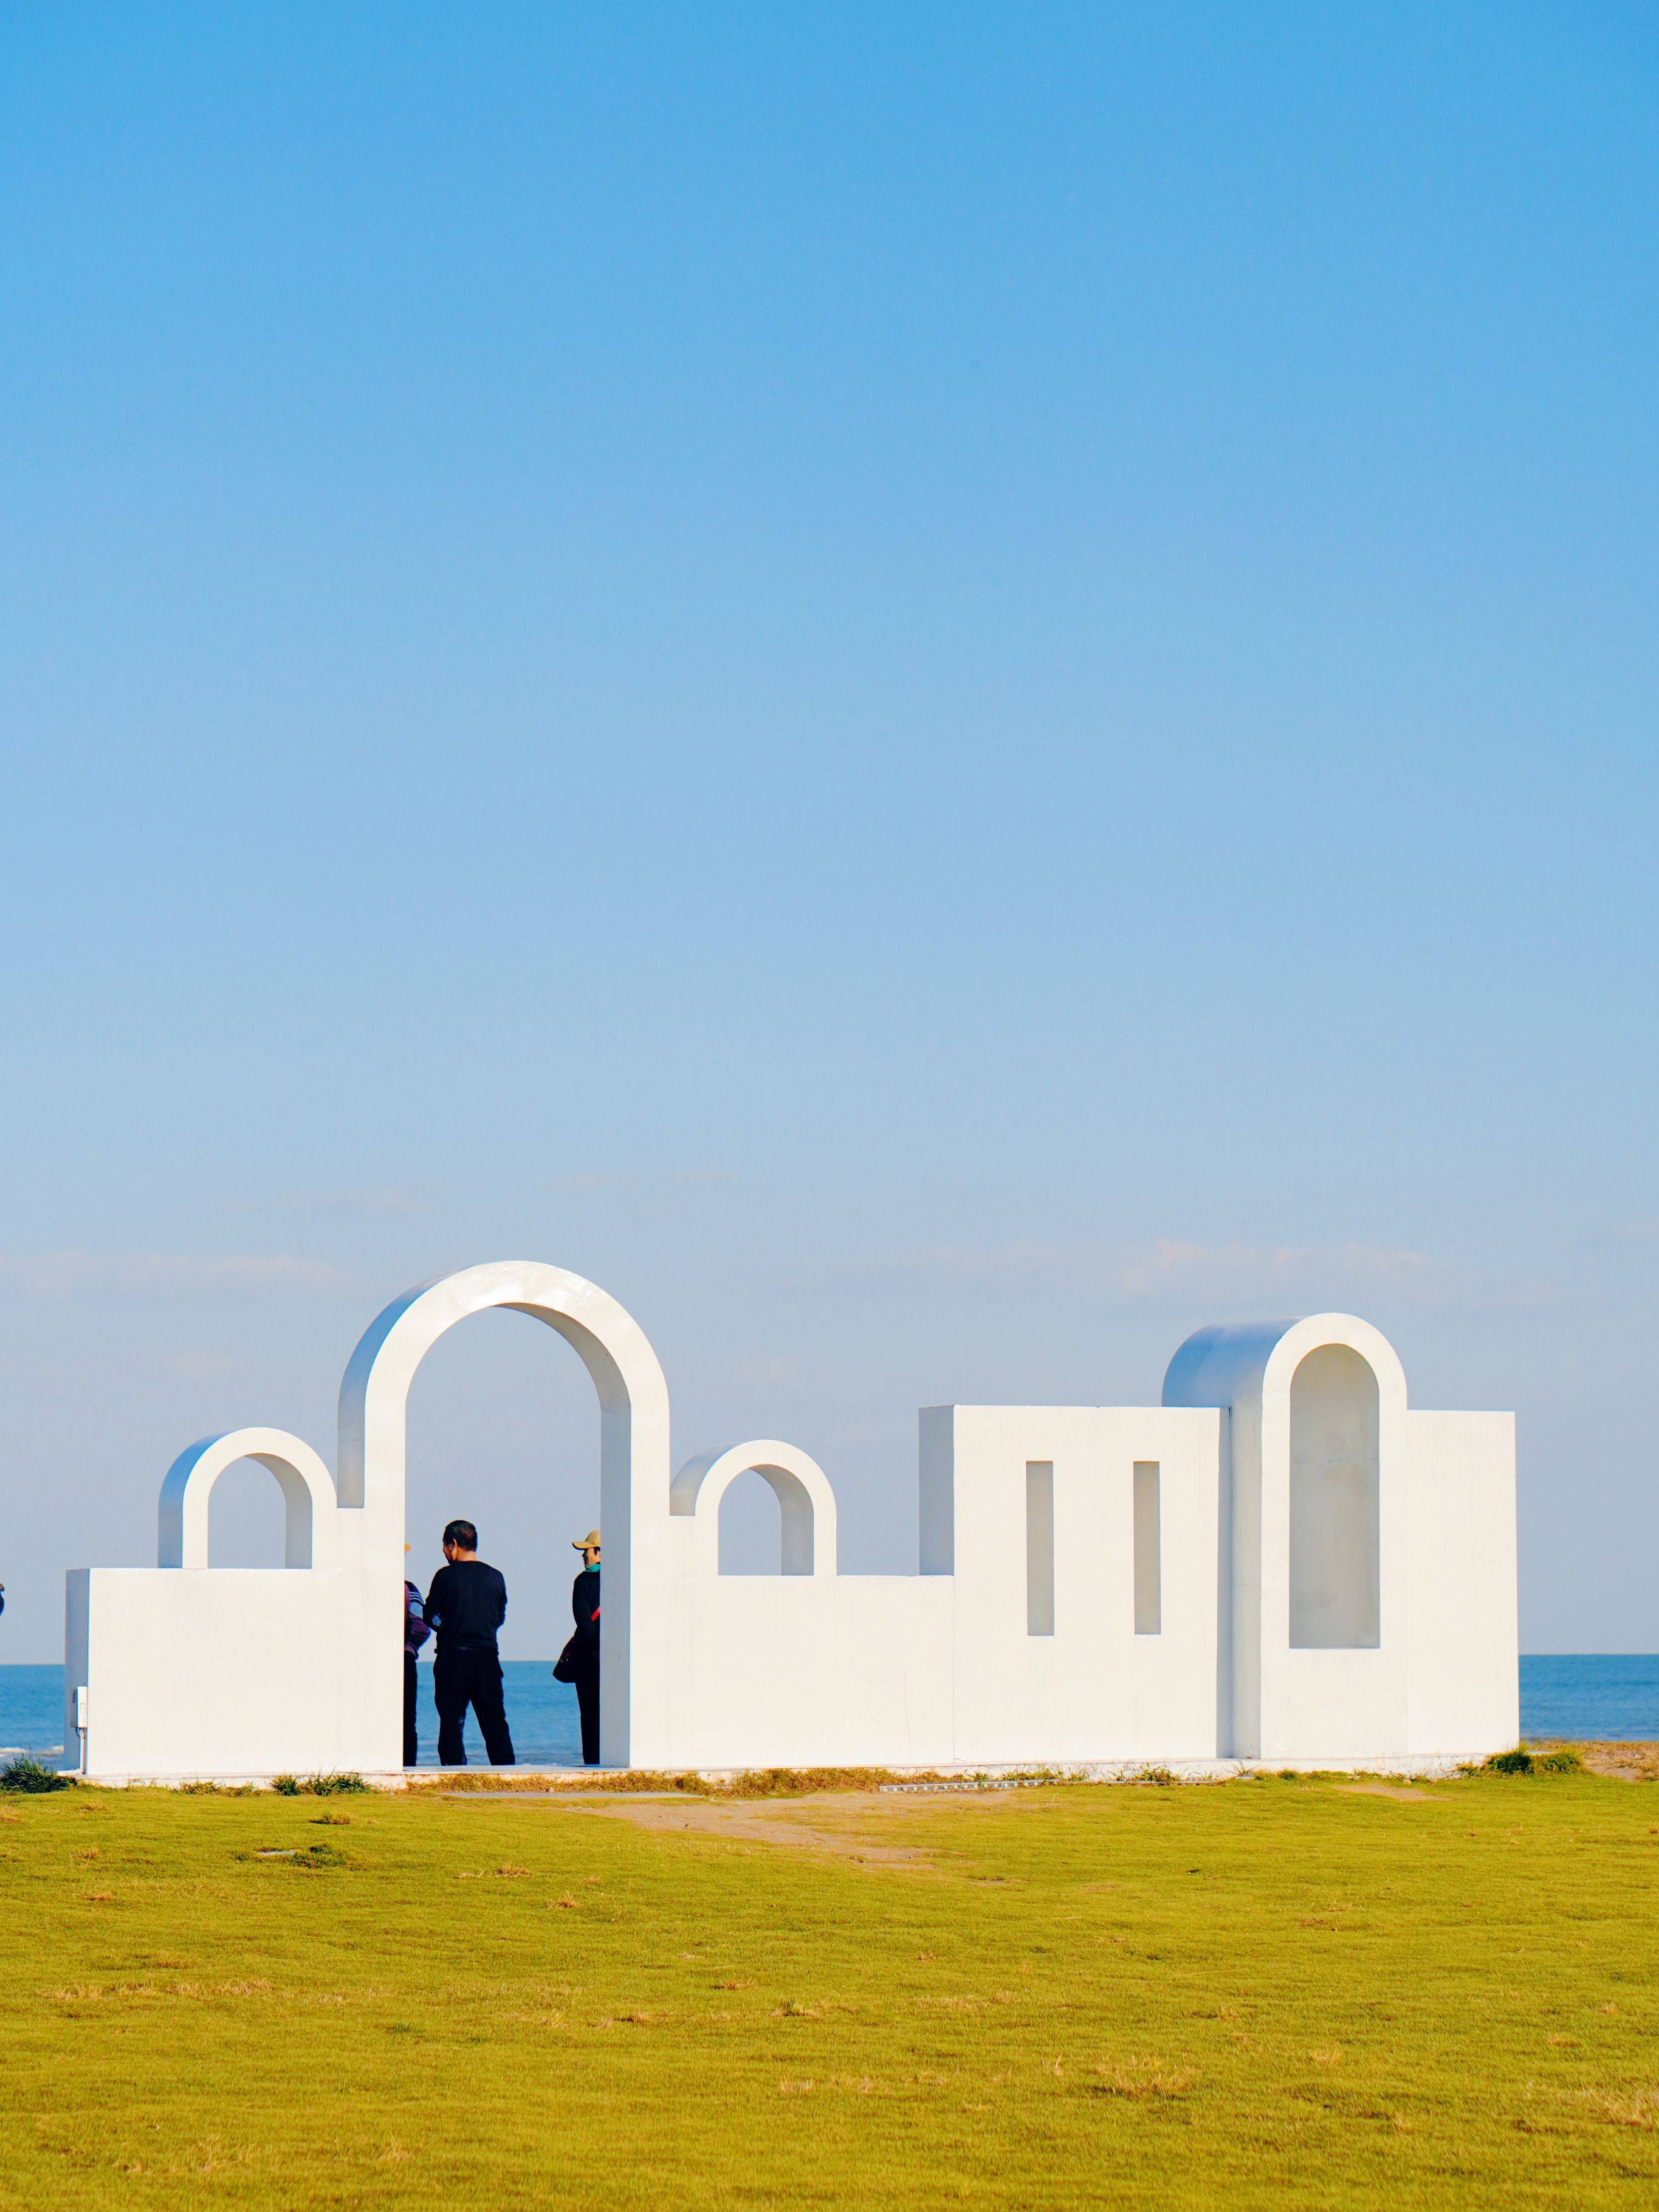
1464, 1687
1092, 1689
230, 1670
850, 1670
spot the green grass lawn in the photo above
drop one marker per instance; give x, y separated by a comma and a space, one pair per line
1261, 1993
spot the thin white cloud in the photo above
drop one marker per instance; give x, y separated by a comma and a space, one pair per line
780, 1368
1167, 1270
1168, 1263
640, 1185
371, 1198
157, 1276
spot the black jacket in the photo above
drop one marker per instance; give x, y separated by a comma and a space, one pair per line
585, 1611
466, 1604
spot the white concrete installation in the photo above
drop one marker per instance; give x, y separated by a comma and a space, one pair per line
1283, 1561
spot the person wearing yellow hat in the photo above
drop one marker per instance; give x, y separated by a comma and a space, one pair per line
579, 1663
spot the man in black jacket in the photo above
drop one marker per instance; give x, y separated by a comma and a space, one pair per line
466, 1604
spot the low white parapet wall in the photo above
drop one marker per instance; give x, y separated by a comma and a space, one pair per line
512, 1781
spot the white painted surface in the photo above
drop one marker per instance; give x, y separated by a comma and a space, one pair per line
1462, 1680
1280, 1562
192, 1672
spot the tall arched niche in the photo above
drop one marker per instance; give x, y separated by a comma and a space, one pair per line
1336, 1503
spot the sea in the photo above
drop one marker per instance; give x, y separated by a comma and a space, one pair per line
1576, 1696
541, 1713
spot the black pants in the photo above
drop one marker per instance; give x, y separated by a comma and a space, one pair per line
460, 1678
587, 1697
411, 1683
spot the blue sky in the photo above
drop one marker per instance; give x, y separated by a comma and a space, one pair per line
942, 690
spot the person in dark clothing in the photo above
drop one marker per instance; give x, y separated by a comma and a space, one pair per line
584, 1651
416, 1632
466, 1604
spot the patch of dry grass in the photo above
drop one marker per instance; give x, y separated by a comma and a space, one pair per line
754, 1782
1626, 1762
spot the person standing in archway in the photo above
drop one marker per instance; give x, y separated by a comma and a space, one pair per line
416, 1632
583, 1648
466, 1604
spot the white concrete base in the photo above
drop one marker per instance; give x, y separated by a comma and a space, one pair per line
508, 1781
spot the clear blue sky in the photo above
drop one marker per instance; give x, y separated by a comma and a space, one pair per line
942, 690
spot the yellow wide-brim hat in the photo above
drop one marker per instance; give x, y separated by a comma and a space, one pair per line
590, 1542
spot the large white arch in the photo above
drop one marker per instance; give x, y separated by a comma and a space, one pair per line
634, 1465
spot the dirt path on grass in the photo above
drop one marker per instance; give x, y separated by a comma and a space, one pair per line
848, 1827
857, 1825
1405, 1796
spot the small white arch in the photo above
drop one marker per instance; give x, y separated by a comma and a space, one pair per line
801, 1486
307, 1496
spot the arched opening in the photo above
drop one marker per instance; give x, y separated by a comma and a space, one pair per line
805, 1504
634, 1716
191, 1489
247, 1518
504, 1431
751, 1526
1335, 1494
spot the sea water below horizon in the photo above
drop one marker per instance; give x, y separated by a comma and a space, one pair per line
1582, 1696
541, 1713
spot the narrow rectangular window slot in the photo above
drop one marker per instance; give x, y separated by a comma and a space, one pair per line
1039, 1547
1149, 1563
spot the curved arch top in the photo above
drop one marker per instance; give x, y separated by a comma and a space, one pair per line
1226, 1365
801, 1486
613, 1347
187, 1490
